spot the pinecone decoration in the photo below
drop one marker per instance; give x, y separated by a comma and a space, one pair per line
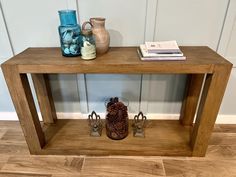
117, 121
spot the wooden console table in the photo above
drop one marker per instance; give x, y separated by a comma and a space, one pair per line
163, 137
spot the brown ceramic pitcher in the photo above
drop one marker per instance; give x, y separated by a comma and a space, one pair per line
102, 37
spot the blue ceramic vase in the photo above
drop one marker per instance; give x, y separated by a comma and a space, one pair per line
70, 33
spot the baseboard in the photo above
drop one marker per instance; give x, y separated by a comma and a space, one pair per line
221, 119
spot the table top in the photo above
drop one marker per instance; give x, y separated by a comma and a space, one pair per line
199, 59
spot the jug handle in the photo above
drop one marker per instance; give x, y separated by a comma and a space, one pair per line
85, 23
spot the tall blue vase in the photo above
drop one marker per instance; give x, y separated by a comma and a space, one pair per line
70, 33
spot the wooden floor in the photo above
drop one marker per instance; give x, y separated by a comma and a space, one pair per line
15, 160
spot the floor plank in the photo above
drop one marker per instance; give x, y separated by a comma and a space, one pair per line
15, 160
200, 168
228, 128
3, 160
12, 141
13, 148
14, 135
2, 132
10, 125
63, 175
223, 152
217, 128
223, 139
43, 164
122, 167
22, 175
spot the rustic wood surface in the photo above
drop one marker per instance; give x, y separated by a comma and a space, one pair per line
21, 95
191, 98
212, 95
117, 60
161, 138
44, 96
220, 160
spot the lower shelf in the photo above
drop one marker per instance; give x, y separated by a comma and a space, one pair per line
162, 137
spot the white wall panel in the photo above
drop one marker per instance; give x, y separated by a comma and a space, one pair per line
231, 47
34, 24
65, 93
6, 104
101, 87
5, 48
195, 22
229, 100
227, 48
227, 45
5, 52
165, 93
125, 21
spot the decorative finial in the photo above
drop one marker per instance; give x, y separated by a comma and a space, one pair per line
138, 125
95, 124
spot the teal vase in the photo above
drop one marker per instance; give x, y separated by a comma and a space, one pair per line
70, 33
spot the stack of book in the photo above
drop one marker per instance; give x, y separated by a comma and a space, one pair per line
165, 50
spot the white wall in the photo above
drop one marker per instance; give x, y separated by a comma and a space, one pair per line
196, 22
34, 24
125, 21
227, 48
5, 53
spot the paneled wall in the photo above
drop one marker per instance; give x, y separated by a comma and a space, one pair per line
130, 23
196, 22
5, 52
34, 24
227, 48
125, 21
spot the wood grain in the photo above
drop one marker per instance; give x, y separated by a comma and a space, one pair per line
2, 132
21, 95
45, 99
192, 93
3, 160
212, 95
10, 125
43, 165
219, 161
63, 175
22, 175
228, 128
221, 151
200, 168
117, 60
162, 137
13, 147
122, 167
13, 135
223, 139
13, 141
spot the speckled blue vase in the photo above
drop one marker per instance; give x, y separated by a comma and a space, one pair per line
70, 33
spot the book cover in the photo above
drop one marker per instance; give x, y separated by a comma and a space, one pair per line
163, 46
145, 53
163, 58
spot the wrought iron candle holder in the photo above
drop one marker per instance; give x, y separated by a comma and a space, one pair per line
139, 124
95, 124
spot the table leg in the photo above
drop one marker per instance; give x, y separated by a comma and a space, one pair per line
189, 105
212, 95
45, 99
22, 98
